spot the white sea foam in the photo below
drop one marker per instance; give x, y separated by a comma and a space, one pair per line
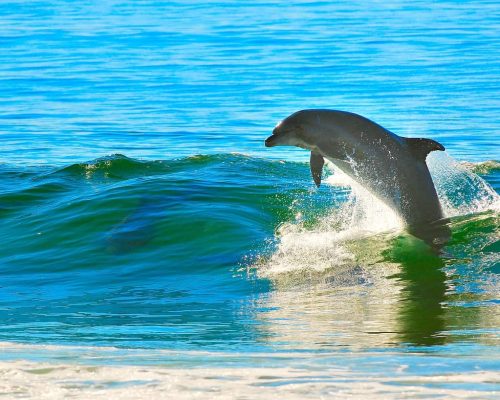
106, 373
40, 380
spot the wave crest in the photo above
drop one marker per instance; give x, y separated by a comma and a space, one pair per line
482, 167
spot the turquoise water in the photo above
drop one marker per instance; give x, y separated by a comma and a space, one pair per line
141, 210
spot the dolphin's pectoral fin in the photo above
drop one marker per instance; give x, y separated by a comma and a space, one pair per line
316, 163
421, 147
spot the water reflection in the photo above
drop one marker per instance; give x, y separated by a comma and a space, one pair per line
392, 295
421, 319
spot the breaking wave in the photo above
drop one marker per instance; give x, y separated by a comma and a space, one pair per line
334, 241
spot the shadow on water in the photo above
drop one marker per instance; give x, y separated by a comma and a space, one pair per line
138, 228
421, 317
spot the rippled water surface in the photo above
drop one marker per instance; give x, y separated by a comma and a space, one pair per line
145, 225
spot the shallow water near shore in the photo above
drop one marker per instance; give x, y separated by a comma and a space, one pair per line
150, 242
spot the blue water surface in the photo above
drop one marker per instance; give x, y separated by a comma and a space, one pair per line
137, 199
154, 79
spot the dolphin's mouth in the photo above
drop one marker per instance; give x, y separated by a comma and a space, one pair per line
270, 141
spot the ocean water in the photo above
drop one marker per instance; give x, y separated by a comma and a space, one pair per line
151, 244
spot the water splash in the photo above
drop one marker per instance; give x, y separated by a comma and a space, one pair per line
326, 244
333, 241
363, 214
460, 190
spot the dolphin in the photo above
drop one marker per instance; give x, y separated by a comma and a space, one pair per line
391, 167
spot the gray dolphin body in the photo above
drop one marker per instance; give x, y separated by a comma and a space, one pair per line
391, 167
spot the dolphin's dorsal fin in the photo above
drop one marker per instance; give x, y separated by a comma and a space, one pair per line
421, 147
316, 163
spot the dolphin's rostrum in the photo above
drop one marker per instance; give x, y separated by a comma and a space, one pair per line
392, 167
